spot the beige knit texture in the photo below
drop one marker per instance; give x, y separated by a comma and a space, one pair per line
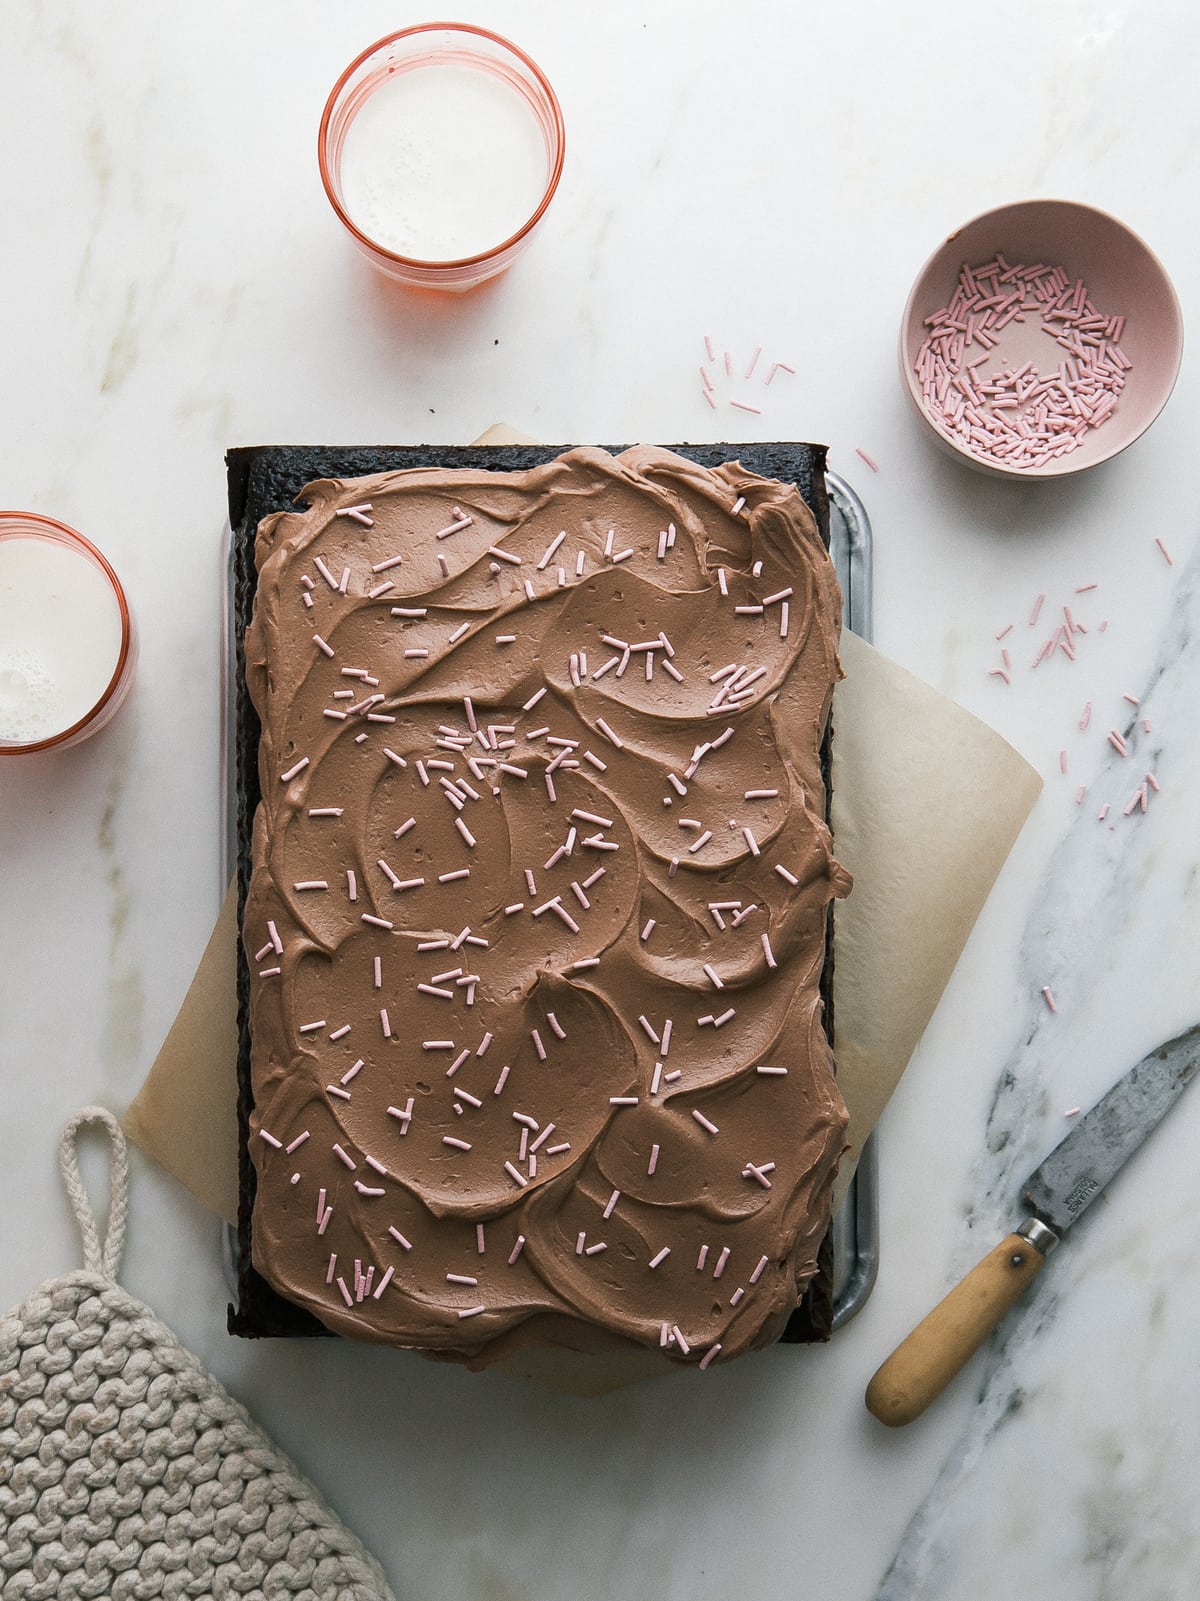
127, 1471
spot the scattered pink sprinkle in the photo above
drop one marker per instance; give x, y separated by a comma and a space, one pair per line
1170, 559
1048, 997
873, 465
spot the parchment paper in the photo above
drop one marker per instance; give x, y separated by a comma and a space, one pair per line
925, 844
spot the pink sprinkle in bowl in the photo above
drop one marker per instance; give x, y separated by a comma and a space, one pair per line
1065, 376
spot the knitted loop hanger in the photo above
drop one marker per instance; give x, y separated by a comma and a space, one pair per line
126, 1472
99, 1256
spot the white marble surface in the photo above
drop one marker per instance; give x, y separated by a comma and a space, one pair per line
174, 283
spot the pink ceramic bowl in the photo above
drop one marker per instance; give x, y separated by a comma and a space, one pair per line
1136, 311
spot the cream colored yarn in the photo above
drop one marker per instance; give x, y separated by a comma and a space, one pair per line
126, 1471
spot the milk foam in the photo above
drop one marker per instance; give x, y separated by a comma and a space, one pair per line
60, 638
443, 162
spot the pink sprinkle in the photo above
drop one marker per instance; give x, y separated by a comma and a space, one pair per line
516, 1250
1049, 998
1062, 761
1117, 743
612, 1201
661, 1257
653, 1160
709, 1356
1150, 779
743, 405
1103, 812
1131, 698
1169, 558
1072, 1111
1087, 715
874, 466
1007, 629
1036, 612
704, 1123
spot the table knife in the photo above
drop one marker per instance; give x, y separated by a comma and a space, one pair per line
1057, 1193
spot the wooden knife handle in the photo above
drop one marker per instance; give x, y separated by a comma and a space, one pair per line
921, 1366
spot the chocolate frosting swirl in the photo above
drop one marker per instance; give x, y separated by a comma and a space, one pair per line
538, 905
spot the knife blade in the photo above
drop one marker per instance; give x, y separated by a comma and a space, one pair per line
1057, 1193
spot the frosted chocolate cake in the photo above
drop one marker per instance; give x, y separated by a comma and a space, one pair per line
536, 915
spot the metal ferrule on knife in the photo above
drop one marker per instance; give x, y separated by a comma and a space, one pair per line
1042, 1238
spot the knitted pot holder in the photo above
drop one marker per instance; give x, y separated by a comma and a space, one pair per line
126, 1471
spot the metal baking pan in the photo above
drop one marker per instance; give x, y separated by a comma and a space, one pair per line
856, 1226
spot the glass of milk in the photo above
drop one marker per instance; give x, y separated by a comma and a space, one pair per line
440, 150
67, 639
